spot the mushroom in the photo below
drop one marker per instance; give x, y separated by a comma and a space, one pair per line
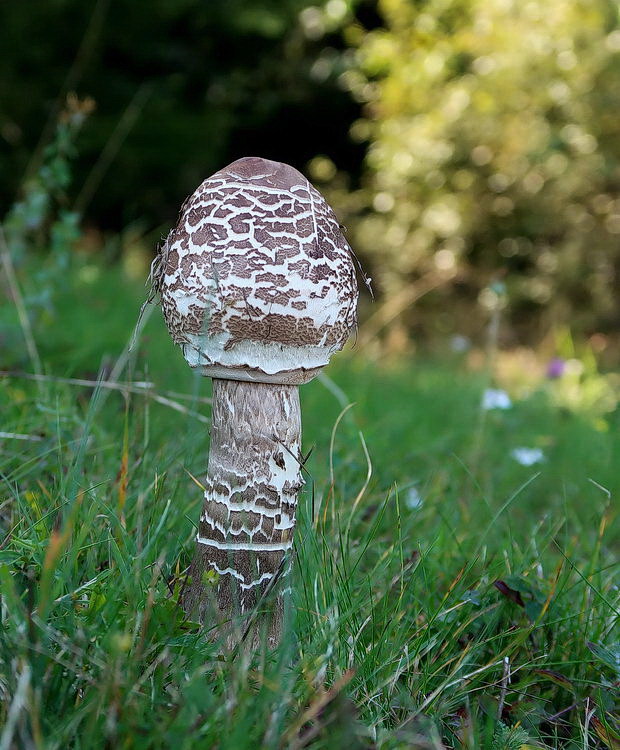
258, 288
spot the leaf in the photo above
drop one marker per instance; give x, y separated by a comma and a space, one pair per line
533, 610
524, 594
606, 733
556, 677
609, 656
509, 593
525, 586
472, 596
509, 738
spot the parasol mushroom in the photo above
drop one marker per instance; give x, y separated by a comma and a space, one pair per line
258, 288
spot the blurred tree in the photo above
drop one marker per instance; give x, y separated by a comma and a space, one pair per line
182, 87
489, 129
492, 152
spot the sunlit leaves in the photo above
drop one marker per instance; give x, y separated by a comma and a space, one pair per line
488, 126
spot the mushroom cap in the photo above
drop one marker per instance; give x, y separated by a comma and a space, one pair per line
256, 280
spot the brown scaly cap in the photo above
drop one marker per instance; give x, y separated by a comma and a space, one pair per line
257, 281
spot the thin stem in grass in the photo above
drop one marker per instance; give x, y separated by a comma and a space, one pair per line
145, 388
18, 300
589, 585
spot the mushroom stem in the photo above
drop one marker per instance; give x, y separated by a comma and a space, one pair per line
246, 529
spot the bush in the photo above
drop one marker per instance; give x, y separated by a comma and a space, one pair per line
491, 153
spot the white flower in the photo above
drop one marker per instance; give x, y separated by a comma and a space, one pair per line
459, 343
527, 456
493, 398
413, 499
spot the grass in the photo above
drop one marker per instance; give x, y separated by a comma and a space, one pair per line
444, 595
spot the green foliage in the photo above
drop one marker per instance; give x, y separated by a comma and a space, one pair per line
509, 738
492, 153
400, 635
41, 217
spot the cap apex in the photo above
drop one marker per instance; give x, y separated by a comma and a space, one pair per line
264, 172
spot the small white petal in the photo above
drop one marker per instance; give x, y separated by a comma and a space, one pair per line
494, 398
460, 343
413, 499
527, 456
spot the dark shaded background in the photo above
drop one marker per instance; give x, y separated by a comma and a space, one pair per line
198, 84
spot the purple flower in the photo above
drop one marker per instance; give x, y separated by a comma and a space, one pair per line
555, 368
